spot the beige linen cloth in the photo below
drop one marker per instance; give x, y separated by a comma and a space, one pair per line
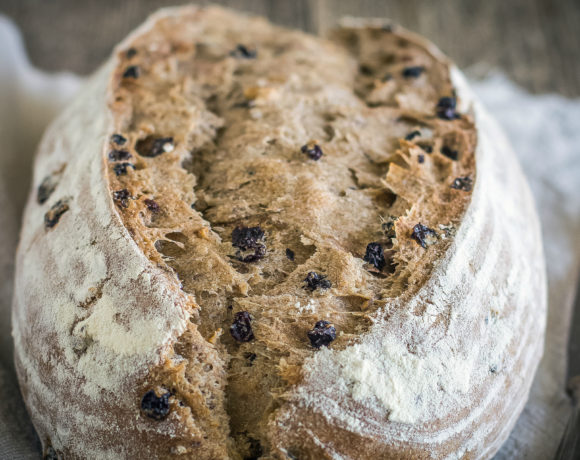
545, 131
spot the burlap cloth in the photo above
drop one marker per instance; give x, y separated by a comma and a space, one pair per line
545, 131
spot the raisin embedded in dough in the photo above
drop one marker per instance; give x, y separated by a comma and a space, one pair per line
118, 139
155, 407
249, 241
375, 255
312, 150
322, 334
241, 51
122, 197
450, 153
120, 169
152, 205
132, 72
119, 155
462, 183
316, 280
241, 328
54, 214
413, 72
446, 108
423, 235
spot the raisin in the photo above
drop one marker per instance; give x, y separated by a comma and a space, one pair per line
421, 158
151, 147
241, 328
375, 256
118, 155
131, 52
241, 51
121, 168
54, 214
427, 148
249, 239
413, 72
423, 235
290, 254
313, 151
151, 205
118, 139
450, 153
132, 71
322, 334
122, 197
155, 407
412, 135
462, 183
315, 280
445, 108
45, 189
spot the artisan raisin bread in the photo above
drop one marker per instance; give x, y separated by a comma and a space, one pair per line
247, 242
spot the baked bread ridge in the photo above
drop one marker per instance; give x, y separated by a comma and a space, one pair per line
91, 315
474, 425
311, 425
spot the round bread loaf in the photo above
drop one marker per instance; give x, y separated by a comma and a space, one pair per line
248, 242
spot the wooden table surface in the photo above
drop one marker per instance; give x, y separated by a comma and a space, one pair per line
536, 42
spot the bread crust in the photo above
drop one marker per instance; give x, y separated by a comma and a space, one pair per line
442, 370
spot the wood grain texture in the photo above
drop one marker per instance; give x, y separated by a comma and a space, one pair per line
534, 41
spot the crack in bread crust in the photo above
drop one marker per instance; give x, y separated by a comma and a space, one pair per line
231, 130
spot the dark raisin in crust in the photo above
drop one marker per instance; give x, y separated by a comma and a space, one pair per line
316, 280
122, 197
132, 72
241, 328
152, 205
249, 239
241, 51
119, 155
54, 214
118, 139
155, 407
445, 108
290, 254
375, 256
450, 153
45, 189
120, 169
314, 152
413, 72
322, 334
412, 135
423, 235
462, 183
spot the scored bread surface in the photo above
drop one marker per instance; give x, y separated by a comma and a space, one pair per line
131, 281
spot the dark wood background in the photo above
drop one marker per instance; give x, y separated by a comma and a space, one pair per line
536, 42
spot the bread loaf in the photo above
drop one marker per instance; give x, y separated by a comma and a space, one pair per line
248, 242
